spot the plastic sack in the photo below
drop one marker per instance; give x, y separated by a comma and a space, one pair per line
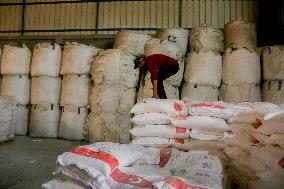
7, 118
151, 119
64, 183
158, 142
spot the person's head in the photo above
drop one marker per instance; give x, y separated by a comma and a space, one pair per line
139, 62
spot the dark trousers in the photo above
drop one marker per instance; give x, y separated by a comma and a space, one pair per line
165, 73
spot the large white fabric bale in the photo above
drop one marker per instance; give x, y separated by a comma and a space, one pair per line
114, 67
46, 60
165, 47
146, 89
73, 123
7, 118
18, 87
177, 35
45, 90
77, 58
203, 68
273, 91
240, 93
15, 60
241, 66
76, 90
112, 99
44, 120
273, 63
22, 119
199, 92
206, 38
111, 127
132, 42
240, 34
176, 79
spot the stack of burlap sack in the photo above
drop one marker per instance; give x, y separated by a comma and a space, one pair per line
273, 74
256, 149
170, 42
203, 69
15, 68
114, 166
241, 64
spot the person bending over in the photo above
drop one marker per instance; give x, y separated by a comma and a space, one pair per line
161, 67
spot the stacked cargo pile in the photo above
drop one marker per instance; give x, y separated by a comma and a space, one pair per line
113, 95
7, 118
273, 74
256, 151
203, 70
76, 87
173, 43
108, 165
45, 90
15, 67
241, 64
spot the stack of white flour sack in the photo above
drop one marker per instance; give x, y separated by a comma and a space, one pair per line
106, 165
203, 69
170, 42
76, 88
114, 90
241, 64
7, 118
45, 90
273, 74
256, 150
15, 68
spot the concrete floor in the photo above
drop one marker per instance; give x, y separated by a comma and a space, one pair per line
29, 162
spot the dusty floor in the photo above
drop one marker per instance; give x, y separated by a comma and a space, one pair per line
29, 162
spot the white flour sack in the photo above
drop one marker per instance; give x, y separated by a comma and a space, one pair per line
239, 34
114, 67
77, 58
276, 139
165, 47
46, 60
136, 177
73, 123
199, 92
273, 91
18, 87
44, 120
262, 107
241, 67
45, 90
7, 118
170, 107
201, 122
273, 62
151, 119
217, 109
273, 125
166, 131
76, 90
64, 183
15, 60
206, 38
203, 144
273, 157
203, 68
112, 127
99, 160
158, 142
176, 35
130, 41
205, 135
240, 93
252, 118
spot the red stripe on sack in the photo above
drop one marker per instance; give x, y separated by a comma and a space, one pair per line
180, 117
257, 123
208, 105
179, 184
130, 179
103, 156
177, 106
180, 130
179, 140
281, 163
165, 155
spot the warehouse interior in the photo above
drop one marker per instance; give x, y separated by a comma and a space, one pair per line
76, 114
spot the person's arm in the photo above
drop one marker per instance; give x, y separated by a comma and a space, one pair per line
155, 89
